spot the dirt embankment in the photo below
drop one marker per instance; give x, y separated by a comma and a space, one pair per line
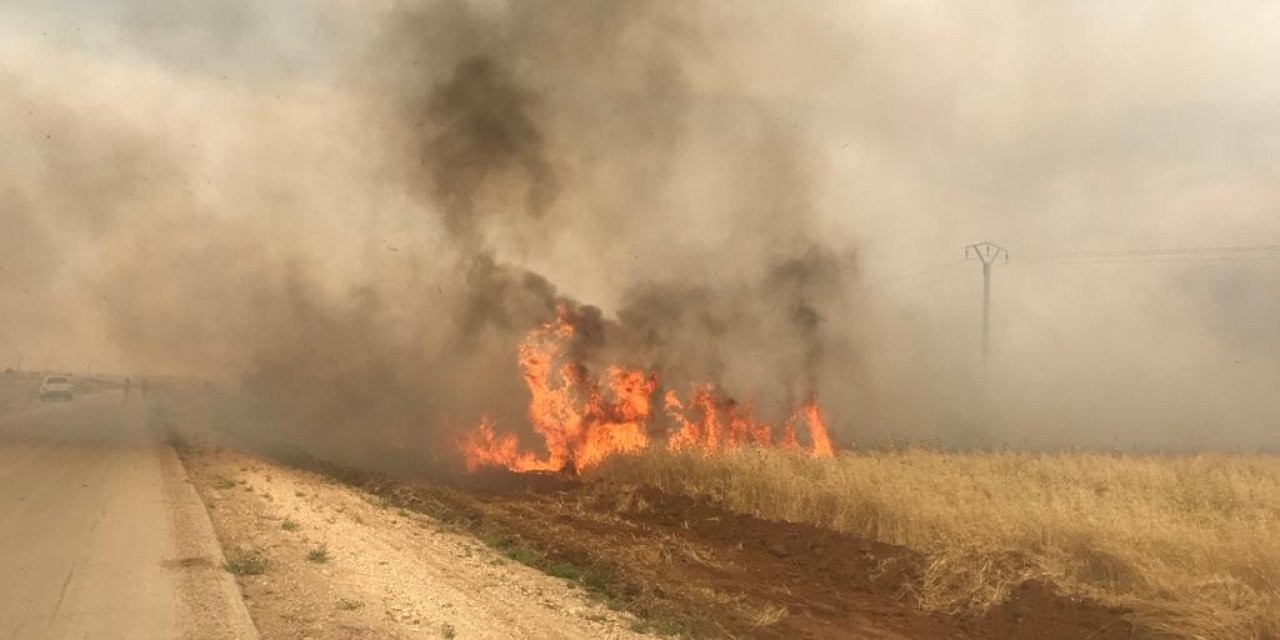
421, 558
320, 560
688, 567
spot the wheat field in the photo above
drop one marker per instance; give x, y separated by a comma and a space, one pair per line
1190, 544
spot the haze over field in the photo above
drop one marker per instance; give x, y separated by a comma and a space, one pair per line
359, 208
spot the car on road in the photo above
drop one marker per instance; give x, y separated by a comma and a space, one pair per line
56, 388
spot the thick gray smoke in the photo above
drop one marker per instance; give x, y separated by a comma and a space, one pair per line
353, 212
361, 250
482, 138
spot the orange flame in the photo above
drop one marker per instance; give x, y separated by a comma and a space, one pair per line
818, 433
579, 422
724, 424
583, 422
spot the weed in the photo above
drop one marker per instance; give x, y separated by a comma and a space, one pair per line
289, 525
318, 555
448, 632
247, 562
565, 570
347, 604
666, 627
494, 540
767, 615
596, 579
525, 555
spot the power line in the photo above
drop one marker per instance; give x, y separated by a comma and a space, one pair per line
1175, 254
1227, 253
1154, 260
935, 270
1256, 248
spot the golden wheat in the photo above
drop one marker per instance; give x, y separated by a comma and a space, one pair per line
1190, 544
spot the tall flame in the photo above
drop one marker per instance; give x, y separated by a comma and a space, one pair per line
720, 423
582, 421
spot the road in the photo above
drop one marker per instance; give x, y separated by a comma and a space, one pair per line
101, 534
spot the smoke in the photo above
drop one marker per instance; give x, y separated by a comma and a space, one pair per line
484, 138
354, 213
361, 245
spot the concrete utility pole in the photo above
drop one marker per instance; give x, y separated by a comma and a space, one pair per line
987, 253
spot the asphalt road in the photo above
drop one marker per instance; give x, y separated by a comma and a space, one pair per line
101, 534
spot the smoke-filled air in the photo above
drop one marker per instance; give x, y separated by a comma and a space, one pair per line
545, 231
583, 319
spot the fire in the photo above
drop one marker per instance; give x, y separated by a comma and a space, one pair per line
720, 423
580, 423
583, 421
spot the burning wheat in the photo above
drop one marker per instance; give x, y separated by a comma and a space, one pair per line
583, 421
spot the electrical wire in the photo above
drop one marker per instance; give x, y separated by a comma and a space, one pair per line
1228, 253
1177, 254
936, 270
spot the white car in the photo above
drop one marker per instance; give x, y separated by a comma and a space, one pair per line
56, 388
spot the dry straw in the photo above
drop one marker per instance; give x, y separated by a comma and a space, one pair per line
1189, 544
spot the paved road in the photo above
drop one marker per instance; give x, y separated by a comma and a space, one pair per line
101, 535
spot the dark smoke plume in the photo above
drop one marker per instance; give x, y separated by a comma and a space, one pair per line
354, 211
360, 262
484, 141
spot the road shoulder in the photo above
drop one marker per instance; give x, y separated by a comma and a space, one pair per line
211, 606
327, 561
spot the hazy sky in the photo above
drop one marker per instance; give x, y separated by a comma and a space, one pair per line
1048, 126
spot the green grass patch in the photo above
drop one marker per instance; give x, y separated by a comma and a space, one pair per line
525, 555
495, 541
565, 570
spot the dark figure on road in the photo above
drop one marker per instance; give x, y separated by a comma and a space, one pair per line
128, 386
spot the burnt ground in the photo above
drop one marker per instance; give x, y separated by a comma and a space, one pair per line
688, 567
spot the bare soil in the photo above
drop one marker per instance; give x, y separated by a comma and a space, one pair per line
416, 558
688, 567
341, 563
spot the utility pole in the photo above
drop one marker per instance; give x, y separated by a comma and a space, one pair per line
987, 253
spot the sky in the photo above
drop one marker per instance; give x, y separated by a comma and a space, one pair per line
1049, 127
